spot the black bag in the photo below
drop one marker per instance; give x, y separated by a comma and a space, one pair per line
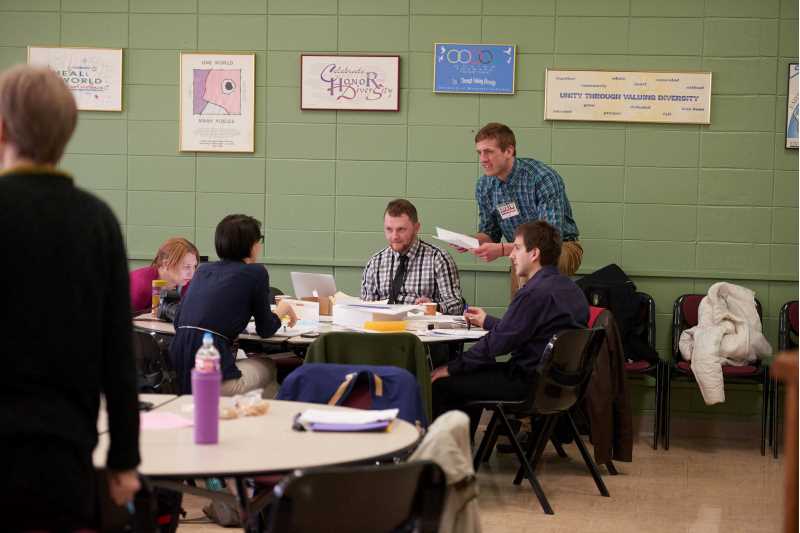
154, 372
611, 288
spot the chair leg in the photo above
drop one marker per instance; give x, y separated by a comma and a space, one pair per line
658, 415
667, 383
770, 408
491, 445
776, 408
764, 410
537, 445
559, 449
590, 464
537, 489
612, 470
488, 436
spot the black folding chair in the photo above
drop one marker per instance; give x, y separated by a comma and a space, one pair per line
568, 362
359, 499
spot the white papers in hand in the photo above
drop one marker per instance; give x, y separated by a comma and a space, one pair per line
456, 239
319, 416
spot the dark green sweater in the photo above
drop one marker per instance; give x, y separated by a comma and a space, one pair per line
65, 328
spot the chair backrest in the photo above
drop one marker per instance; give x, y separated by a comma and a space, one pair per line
568, 362
787, 326
685, 316
154, 373
403, 350
273, 292
647, 315
382, 499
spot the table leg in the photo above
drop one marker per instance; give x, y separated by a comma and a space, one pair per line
244, 507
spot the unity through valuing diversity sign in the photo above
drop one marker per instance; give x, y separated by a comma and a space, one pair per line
628, 96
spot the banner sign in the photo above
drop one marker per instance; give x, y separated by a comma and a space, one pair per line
474, 68
599, 95
355, 83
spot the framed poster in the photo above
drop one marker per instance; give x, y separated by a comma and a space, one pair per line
474, 68
628, 96
792, 108
352, 83
94, 75
217, 102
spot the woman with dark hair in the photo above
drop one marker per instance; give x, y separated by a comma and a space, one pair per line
221, 299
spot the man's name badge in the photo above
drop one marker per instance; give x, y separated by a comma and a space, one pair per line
508, 210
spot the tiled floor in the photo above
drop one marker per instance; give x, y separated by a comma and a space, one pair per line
698, 486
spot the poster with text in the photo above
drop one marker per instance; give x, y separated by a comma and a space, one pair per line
217, 101
474, 68
628, 96
94, 75
792, 108
354, 83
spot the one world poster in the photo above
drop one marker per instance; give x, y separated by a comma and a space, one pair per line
474, 68
217, 102
93, 75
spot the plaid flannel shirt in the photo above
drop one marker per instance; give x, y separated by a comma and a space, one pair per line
539, 194
430, 272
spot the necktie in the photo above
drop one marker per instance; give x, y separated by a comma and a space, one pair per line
399, 278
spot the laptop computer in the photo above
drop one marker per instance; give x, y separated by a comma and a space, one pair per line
305, 283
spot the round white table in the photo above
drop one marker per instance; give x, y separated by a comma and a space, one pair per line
255, 446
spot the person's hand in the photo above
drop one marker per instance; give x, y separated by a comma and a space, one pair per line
488, 251
422, 300
123, 485
475, 316
439, 373
285, 309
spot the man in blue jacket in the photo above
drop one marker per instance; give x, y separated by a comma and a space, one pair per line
548, 303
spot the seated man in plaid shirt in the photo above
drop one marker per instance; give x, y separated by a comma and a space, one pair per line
409, 270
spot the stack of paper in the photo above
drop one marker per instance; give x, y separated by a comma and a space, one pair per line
350, 420
456, 239
356, 315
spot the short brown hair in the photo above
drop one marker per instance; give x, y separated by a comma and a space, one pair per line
172, 251
541, 235
38, 112
400, 207
500, 132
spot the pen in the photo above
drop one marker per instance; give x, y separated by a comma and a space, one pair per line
466, 306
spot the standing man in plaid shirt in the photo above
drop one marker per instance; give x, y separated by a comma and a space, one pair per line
409, 270
514, 190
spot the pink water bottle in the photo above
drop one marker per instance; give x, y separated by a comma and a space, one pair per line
206, 383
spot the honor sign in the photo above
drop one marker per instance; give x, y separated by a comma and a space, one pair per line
676, 97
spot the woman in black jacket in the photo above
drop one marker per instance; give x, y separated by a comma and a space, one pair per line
221, 299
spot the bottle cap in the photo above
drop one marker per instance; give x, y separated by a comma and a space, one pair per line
159, 283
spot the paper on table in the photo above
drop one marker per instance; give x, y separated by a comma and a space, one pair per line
342, 298
457, 239
298, 329
162, 420
463, 333
318, 416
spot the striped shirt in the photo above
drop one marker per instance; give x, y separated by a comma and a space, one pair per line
430, 272
538, 193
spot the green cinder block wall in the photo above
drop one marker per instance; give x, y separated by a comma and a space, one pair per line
679, 207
